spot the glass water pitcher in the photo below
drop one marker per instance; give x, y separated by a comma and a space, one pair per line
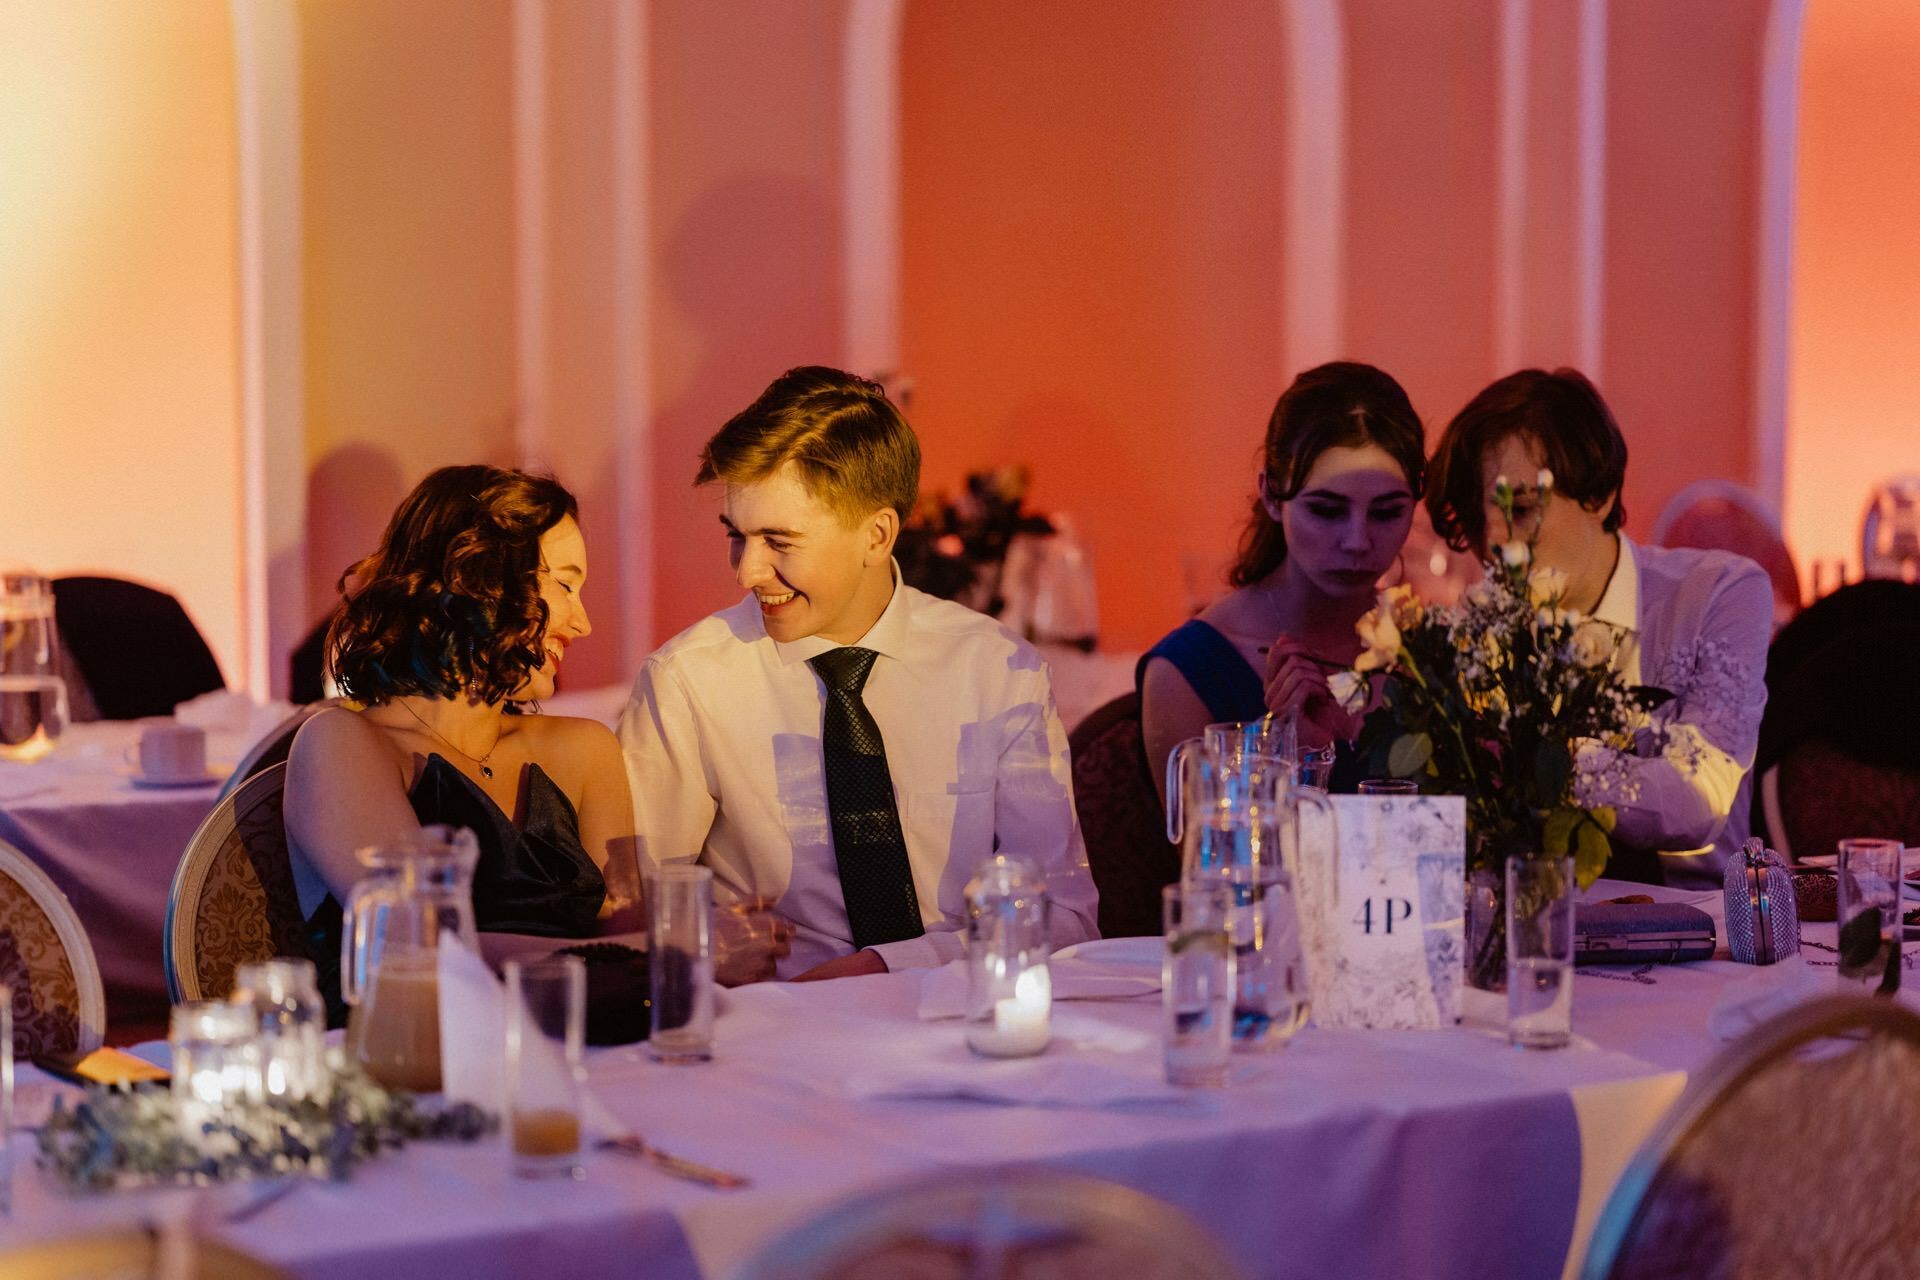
417, 892
33, 697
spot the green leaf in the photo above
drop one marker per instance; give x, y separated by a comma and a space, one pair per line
1409, 754
1552, 768
1590, 859
1860, 943
1557, 835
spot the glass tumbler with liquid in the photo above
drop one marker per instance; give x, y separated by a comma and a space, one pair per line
33, 697
1197, 981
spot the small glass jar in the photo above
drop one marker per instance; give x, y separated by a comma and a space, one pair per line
216, 1061
290, 1020
1009, 990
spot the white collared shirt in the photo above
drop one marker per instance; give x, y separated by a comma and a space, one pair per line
722, 742
1702, 621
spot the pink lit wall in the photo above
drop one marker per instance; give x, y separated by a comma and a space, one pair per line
1091, 283
119, 413
745, 112
1854, 379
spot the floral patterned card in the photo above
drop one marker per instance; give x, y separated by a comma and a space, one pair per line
1381, 928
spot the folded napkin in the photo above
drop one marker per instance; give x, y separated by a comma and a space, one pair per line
1058, 1078
473, 1041
943, 991
1748, 1001
224, 711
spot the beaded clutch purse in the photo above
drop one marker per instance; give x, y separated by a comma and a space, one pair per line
1763, 918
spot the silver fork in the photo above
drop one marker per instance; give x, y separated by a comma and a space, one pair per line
632, 1144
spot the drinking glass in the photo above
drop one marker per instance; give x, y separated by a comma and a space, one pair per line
1540, 952
682, 964
1869, 914
1197, 981
546, 1043
1316, 767
216, 1061
1389, 787
291, 1022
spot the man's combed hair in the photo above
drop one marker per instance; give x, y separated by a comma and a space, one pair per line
853, 450
450, 603
1564, 414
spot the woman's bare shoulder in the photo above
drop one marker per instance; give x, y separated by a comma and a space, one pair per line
339, 737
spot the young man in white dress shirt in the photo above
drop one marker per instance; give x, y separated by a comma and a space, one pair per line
1701, 620
840, 745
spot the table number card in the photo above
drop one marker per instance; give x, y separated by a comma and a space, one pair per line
1382, 931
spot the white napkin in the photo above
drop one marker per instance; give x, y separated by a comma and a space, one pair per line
943, 991
1057, 1078
1748, 1001
224, 711
473, 1041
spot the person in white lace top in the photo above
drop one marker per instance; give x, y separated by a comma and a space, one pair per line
1702, 619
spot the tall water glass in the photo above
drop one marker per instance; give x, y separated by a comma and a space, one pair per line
682, 964
1197, 981
546, 1075
291, 1022
33, 697
1540, 952
1869, 915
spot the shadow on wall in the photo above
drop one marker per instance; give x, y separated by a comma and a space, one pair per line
752, 276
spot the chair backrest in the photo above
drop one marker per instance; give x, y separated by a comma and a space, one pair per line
1718, 515
1820, 795
995, 1224
1791, 1155
273, 748
1121, 817
139, 651
59, 1003
233, 898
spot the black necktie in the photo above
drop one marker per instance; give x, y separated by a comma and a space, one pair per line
875, 877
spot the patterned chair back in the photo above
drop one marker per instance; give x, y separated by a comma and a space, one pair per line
1002, 1223
1121, 818
233, 899
59, 1004
1791, 1155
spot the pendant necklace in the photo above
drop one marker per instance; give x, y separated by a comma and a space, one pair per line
486, 770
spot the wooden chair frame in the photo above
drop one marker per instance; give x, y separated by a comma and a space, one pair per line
196, 863
73, 938
1723, 1078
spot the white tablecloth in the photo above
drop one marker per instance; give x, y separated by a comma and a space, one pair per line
112, 848
1431, 1154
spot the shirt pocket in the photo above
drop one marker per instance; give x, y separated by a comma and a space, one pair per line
952, 822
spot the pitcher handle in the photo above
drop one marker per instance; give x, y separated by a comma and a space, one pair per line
356, 935
1176, 806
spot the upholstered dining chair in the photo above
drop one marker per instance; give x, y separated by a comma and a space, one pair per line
997, 1224
233, 898
59, 1003
1790, 1155
1118, 800
274, 747
136, 648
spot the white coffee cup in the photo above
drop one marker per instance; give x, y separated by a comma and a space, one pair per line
170, 751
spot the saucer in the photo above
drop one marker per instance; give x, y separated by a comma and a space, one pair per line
1143, 953
211, 778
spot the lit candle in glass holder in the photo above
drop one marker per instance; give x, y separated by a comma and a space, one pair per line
216, 1061
283, 998
1010, 992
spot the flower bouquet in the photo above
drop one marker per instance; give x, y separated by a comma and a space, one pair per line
957, 548
1511, 700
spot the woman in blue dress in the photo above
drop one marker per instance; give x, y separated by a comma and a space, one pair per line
1343, 465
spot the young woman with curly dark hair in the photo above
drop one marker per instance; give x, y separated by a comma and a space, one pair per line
462, 616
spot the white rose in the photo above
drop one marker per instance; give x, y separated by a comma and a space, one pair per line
1515, 554
1544, 480
1592, 644
1348, 689
1547, 585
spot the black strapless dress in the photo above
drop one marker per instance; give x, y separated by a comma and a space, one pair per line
537, 879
